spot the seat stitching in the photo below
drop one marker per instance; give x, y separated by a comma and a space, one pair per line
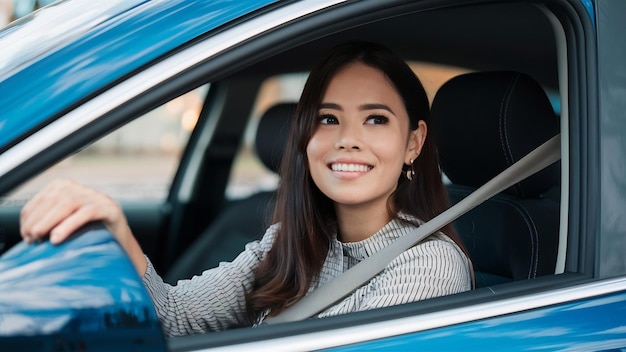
502, 123
534, 239
533, 236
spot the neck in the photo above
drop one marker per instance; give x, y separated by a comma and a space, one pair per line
356, 223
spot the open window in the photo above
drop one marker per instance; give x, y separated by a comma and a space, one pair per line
491, 37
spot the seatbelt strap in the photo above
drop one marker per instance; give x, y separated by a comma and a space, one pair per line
341, 286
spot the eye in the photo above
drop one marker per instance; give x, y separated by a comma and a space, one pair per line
376, 120
327, 119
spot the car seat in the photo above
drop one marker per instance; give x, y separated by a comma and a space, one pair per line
485, 122
244, 220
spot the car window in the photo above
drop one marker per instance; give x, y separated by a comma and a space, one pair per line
137, 162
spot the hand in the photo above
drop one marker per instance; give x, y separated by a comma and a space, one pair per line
64, 206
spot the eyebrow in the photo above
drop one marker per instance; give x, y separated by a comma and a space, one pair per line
371, 106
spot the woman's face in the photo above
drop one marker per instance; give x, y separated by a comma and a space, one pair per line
362, 138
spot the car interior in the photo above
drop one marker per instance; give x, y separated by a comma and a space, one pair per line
506, 104
502, 95
514, 116
513, 235
243, 220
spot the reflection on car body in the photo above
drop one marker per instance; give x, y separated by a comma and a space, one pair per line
83, 293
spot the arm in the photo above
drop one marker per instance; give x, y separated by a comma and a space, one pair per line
431, 269
212, 301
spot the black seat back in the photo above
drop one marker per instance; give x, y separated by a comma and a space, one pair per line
484, 123
243, 220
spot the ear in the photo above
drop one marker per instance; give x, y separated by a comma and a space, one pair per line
416, 142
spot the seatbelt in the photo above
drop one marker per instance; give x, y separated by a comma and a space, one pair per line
325, 296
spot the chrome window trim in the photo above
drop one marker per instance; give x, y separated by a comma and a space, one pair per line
390, 328
143, 81
562, 66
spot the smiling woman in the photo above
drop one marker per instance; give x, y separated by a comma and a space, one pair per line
332, 128
365, 143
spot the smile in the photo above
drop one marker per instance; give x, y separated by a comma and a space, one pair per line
342, 167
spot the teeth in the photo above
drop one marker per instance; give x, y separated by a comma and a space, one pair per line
350, 167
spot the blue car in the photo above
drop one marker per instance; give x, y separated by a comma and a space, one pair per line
180, 108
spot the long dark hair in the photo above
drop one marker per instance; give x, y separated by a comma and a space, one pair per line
306, 216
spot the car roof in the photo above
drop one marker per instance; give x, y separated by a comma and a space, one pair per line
477, 37
42, 75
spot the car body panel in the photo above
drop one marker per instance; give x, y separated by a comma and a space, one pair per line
561, 314
107, 52
84, 293
589, 324
612, 139
25, 41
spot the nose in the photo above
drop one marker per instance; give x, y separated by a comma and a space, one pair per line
349, 137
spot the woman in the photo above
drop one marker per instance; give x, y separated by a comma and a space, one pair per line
360, 170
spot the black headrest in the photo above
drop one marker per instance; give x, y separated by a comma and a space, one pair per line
272, 132
486, 121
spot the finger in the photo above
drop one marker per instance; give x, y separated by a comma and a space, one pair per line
27, 214
52, 189
43, 222
47, 209
28, 217
73, 222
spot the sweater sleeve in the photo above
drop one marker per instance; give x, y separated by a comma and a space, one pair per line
431, 269
213, 301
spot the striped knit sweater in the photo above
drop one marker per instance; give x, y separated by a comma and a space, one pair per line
215, 300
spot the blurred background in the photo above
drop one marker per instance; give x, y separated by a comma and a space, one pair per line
13, 9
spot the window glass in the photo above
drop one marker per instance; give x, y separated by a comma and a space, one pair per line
249, 175
137, 162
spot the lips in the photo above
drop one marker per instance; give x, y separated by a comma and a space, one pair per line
349, 167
